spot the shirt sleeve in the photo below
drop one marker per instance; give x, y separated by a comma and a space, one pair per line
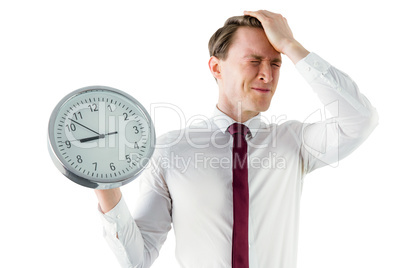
136, 239
350, 121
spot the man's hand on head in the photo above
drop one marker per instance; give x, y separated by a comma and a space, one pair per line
279, 34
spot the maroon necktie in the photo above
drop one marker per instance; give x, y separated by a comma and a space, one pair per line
240, 196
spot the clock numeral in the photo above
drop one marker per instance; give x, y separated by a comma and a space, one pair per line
110, 108
71, 127
68, 144
77, 115
125, 116
112, 167
93, 107
79, 159
128, 158
136, 145
95, 165
136, 131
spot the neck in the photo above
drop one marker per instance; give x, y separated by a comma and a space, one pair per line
236, 112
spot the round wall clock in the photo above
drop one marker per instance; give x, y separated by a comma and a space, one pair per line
100, 137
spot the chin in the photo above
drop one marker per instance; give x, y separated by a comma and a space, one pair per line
262, 107
261, 104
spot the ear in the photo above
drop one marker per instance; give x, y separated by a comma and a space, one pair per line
214, 67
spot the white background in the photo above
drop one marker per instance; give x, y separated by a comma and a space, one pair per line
157, 52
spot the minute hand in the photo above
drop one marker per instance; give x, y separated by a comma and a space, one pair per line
84, 126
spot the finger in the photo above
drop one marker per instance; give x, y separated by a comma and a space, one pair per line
249, 13
261, 14
256, 14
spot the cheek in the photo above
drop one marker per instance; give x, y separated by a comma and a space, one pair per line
276, 75
250, 71
248, 75
237, 81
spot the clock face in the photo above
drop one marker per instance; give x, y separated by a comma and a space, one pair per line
100, 137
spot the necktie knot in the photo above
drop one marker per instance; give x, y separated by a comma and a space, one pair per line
238, 128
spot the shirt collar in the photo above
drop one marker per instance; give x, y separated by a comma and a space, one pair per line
223, 121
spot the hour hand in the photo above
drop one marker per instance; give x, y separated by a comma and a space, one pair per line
96, 137
92, 138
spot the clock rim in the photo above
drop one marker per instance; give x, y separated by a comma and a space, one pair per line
83, 179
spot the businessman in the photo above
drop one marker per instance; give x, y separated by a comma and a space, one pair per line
234, 198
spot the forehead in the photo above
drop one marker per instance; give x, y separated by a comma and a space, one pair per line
249, 41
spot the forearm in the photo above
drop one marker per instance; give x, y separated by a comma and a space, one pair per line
338, 93
122, 234
108, 199
137, 237
352, 117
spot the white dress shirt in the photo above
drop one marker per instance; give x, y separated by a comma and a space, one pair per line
189, 181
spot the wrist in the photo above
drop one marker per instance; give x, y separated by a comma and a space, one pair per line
108, 199
295, 51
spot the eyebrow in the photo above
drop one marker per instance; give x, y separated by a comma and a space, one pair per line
258, 57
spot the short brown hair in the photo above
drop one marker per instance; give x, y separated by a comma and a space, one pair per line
221, 40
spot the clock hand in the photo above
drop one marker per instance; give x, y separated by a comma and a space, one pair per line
111, 133
92, 138
97, 137
84, 126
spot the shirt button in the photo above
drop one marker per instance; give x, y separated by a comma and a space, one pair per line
118, 216
308, 69
316, 64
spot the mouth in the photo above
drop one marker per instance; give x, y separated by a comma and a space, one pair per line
262, 90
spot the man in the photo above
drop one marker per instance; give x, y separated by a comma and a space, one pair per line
230, 202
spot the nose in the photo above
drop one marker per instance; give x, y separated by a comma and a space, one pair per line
265, 72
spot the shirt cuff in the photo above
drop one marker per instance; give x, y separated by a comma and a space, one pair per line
312, 66
114, 220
